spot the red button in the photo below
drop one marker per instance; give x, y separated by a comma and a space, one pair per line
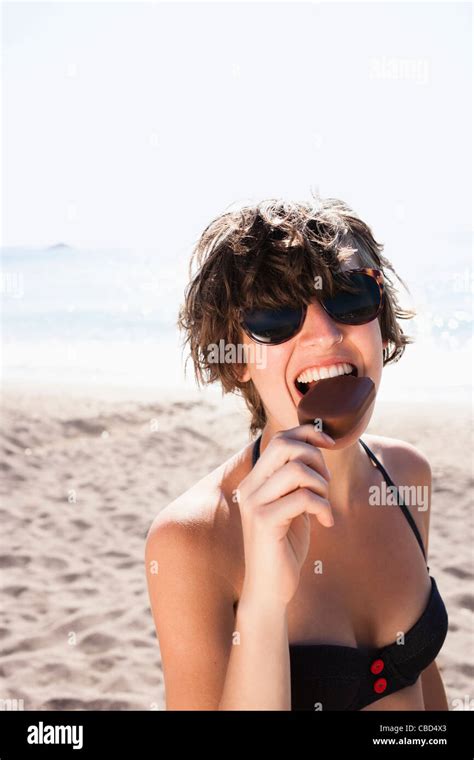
380, 685
377, 667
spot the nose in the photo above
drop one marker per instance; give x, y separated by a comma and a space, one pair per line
319, 329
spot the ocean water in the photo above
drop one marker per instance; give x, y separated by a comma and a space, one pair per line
109, 317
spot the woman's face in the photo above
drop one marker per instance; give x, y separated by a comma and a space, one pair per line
321, 341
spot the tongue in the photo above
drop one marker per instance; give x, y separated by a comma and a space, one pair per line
339, 402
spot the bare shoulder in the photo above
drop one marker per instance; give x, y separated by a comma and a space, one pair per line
200, 529
192, 559
407, 466
405, 462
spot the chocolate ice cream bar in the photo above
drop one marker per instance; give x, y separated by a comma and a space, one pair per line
340, 402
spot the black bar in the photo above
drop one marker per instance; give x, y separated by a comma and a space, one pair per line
156, 734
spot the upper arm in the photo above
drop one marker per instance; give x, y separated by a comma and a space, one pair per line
192, 607
419, 475
410, 467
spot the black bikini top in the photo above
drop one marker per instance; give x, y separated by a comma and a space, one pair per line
334, 677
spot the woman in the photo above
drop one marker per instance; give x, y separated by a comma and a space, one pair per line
280, 586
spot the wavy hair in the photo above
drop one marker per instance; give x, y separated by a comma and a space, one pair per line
268, 255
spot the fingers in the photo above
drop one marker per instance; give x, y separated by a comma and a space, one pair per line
289, 477
282, 511
301, 442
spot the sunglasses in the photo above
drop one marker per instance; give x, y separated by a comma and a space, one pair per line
358, 305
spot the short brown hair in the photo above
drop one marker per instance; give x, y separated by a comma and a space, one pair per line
269, 254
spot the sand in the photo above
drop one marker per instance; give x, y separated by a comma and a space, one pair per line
84, 474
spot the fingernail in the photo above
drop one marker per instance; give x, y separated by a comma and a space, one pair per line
329, 439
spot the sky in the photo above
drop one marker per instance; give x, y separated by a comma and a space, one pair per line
132, 125
127, 127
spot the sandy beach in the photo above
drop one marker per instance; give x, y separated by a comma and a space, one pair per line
85, 473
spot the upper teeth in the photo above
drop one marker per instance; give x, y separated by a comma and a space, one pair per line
320, 373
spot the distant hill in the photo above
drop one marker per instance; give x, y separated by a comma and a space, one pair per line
19, 251
60, 248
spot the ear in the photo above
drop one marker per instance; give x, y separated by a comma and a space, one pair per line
385, 343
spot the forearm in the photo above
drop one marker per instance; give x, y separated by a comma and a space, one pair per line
258, 671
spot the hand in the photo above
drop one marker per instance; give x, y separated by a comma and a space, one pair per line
288, 483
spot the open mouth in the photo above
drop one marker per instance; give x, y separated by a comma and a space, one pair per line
311, 376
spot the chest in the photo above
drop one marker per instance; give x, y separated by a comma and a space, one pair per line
364, 582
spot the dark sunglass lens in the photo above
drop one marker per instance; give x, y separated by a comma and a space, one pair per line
272, 325
358, 305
